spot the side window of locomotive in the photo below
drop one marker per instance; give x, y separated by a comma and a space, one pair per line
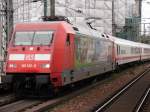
68, 40
52, 38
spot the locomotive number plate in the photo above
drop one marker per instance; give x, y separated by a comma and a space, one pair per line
28, 65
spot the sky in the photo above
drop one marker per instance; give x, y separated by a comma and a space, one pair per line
146, 10
146, 14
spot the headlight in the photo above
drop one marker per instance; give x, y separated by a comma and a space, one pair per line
12, 66
45, 65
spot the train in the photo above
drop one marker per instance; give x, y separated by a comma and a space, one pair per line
47, 56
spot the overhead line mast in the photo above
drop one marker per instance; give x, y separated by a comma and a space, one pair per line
52, 7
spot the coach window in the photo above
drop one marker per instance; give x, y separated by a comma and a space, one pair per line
68, 40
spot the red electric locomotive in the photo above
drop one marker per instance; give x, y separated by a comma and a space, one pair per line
46, 56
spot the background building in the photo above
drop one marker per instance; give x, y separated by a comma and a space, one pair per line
108, 16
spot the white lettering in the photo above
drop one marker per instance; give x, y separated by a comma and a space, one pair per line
28, 66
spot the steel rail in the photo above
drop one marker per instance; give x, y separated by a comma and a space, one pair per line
143, 100
121, 91
19, 105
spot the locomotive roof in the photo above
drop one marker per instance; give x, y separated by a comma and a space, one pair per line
86, 30
39, 25
83, 29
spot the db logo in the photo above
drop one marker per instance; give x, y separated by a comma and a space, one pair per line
29, 57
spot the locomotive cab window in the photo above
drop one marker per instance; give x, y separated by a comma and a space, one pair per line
43, 38
33, 38
68, 40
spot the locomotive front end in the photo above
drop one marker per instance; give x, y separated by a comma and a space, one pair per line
29, 59
30, 52
38, 55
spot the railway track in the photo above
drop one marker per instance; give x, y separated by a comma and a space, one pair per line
144, 104
126, 99
18, 106
6, 99
43, 105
